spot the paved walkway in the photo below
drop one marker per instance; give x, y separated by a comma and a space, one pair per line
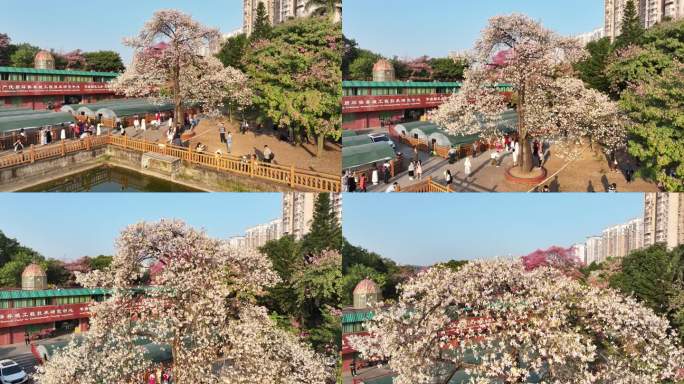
588, 173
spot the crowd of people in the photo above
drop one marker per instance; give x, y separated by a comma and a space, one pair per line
359, 181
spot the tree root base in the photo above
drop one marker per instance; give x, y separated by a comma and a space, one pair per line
536, 176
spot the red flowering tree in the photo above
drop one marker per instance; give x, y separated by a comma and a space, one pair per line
556, 257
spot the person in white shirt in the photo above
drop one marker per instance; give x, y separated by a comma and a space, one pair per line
136, 124
392, 188
466, 167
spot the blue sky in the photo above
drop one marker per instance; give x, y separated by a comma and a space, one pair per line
68, 226
101, 25
418, 229
410, 28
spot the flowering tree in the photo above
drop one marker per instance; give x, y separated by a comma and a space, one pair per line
167, 64
202, 306
563, 259
550, 103
74, 60
495, 321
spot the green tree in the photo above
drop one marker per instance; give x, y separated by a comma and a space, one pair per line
592, 69
656, 109
317, 286
24, 55
401, 69
10, 272
8, 247
6, 49
104, 61
56, 273
327, 337
296, 78
454, 265
655, 276
261, 29
100, 262
233, 50
634, 66
326, 231
361, 68
447, 69
349, 54
632, 31
285, 255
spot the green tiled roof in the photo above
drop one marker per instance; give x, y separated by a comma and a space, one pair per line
34, 71
16, 294
356, 317
360, 155
399, 84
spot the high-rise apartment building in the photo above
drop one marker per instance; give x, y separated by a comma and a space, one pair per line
580, 252
588, 37
278, 11
664, 219
259, 235
298, 210
594, 250
650, 13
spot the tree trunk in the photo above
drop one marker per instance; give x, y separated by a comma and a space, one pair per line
525, 148
177, 101
321, 144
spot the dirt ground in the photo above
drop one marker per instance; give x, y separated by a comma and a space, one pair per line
301, 156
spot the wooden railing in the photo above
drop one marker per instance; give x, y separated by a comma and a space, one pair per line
293, 177
426, 186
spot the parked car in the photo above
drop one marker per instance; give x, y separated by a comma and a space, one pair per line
12, 373
379, 137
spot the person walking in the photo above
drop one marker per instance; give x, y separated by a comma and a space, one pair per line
99, 129
352, 183
466, 167
374, 177
411, 170
229, 142
18, 145
62, 133
136, 123
345, 181
448, 177
387, 174
363, 182
27, 338
268, 154
143, 125
474, 149
222, 132
516, 152
419, 170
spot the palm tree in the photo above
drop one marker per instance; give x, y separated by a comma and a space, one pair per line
329, 8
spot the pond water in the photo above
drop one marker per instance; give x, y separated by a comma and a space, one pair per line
110, 179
